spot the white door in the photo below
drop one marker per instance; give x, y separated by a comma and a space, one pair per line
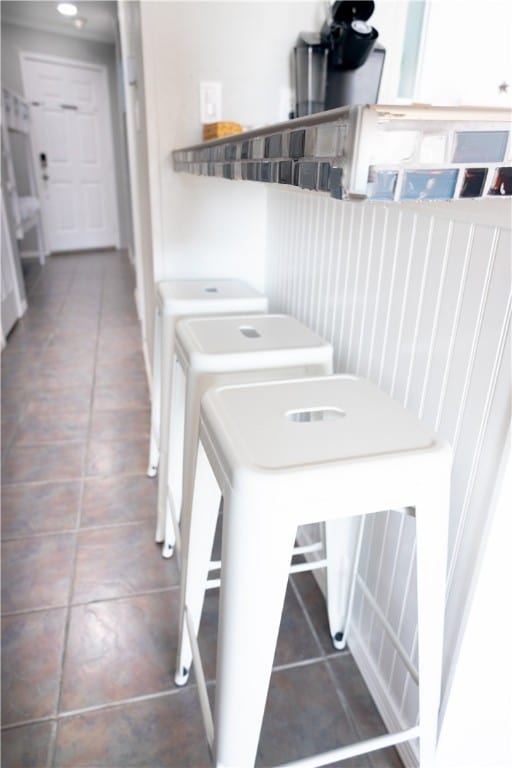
72, 143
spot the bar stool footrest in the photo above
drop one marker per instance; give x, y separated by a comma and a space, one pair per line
353, 750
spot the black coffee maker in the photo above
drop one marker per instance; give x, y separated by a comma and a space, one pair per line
340, 65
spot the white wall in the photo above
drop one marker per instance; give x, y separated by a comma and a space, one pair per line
467, 53
16, 39
209, 226
389, 20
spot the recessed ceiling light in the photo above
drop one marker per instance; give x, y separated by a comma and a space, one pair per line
67, 9
79, 22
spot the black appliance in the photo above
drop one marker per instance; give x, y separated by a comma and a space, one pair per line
340, 65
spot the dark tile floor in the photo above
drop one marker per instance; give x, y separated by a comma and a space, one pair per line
89, 607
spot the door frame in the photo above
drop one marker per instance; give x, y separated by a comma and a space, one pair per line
105, 111
133, 96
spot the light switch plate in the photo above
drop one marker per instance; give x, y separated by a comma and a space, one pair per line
286, 104
210, 100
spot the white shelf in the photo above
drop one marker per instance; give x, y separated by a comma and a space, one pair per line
381, 152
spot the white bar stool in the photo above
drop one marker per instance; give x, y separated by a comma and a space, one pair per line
176, 299
284, 454
228, 350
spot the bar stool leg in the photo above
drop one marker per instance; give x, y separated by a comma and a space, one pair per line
166, 363
41, 245
175, 462
162, 497
256, 551
340, 545
155, 397
194, 388
198, 532
431, 536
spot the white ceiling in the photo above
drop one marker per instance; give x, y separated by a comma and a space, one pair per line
39, 14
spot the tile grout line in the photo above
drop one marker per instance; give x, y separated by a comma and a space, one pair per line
66, 714
52, 747
63, 531
61, 606
151, 696
72, 479
303, 662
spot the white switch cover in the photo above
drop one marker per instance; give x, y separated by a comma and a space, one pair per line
210, 99
286, 104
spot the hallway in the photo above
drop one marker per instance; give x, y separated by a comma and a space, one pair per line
89, 607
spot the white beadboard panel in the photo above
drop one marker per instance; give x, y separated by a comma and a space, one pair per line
401, 547
418, 299
427, 312
449, 314
360, 606
466, 331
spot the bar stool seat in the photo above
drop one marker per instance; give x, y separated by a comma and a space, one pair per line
285, 454
222, 350
176, 299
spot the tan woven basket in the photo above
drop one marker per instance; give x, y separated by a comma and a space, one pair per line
220, 129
